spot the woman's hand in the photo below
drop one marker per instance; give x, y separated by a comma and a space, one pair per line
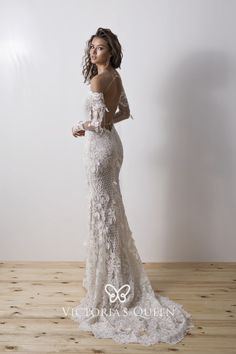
77, 133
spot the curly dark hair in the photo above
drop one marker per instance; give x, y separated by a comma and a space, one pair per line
90, 69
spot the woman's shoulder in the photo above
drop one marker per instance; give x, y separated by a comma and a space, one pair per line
100, 81
97, 83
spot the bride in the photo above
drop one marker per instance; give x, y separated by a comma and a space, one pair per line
120, 302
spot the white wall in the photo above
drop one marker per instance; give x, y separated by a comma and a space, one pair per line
179, 169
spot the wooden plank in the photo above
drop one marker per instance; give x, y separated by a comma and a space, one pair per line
33, 295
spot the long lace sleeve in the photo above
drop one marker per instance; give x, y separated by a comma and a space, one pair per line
123, 108
97, 113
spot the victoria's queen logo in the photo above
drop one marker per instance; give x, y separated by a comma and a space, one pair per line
121, 296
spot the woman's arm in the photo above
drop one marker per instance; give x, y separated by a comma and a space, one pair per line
123, 108
97, 115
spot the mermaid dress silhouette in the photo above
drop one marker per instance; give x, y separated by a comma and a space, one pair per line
120, 302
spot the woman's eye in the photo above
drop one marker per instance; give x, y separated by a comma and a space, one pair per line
98, 47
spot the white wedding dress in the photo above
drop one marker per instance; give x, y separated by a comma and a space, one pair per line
120, 302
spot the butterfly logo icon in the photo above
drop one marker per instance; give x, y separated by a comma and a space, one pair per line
114, 296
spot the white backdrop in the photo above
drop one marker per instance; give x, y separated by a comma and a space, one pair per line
179, 169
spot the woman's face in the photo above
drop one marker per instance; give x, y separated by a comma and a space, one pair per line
99, 51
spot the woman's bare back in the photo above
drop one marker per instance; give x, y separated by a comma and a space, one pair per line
112, 86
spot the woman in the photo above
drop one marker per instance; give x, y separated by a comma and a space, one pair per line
120, 302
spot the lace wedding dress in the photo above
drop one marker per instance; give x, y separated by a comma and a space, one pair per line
120, 302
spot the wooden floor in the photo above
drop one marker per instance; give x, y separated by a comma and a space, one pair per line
33, 295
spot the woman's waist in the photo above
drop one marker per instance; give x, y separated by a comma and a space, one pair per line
108, 126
